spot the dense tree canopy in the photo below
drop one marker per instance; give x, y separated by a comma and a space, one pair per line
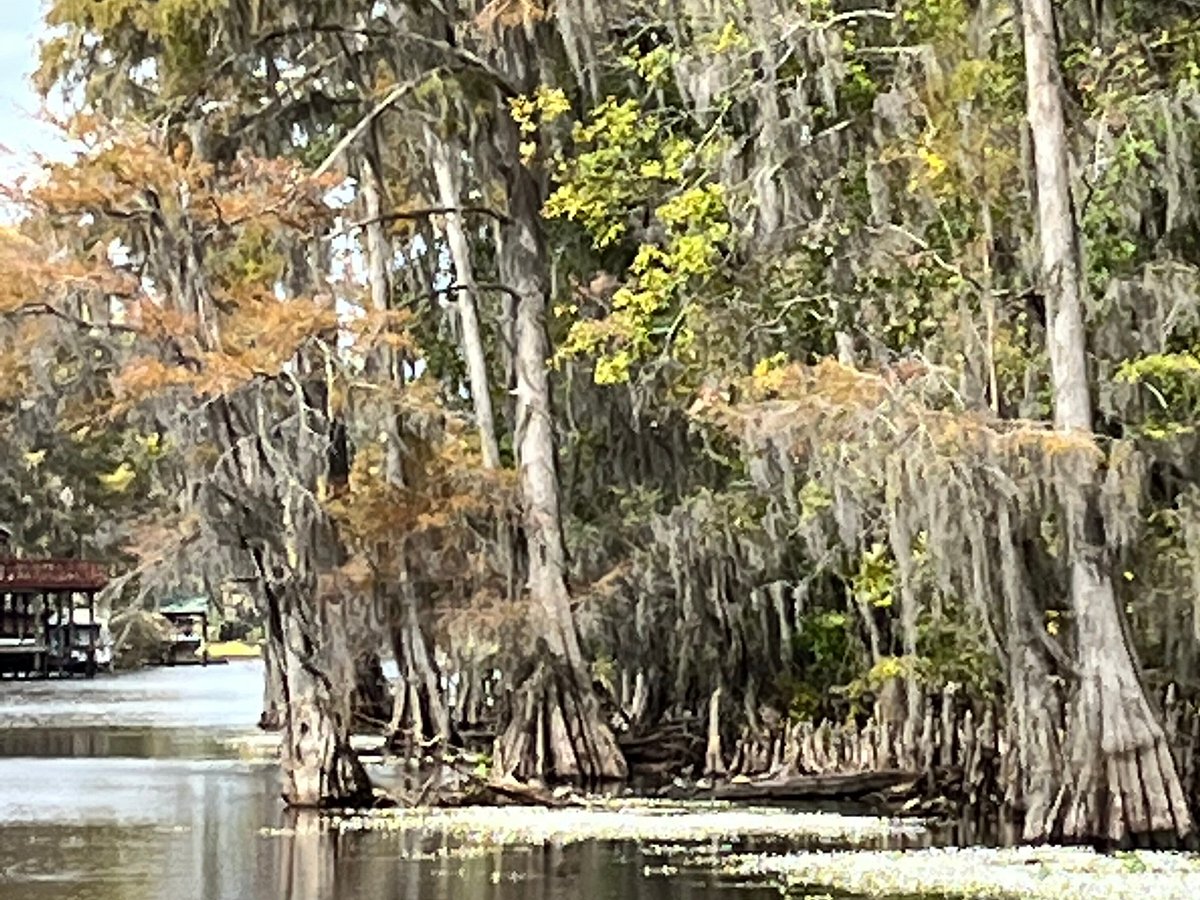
641, 362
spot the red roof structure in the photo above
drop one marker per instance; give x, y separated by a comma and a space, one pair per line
38, 575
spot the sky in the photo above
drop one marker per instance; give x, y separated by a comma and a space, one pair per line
21, 135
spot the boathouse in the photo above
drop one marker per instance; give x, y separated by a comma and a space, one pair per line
187, 642
42, 604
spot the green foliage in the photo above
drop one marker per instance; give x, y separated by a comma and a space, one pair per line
936, 22
887, 669
875, 580
729, 38
1171, 381
953, 650
946, 655
615, 161
703, 227
827, 653
530, 113
181, 31
1109, 225
624, 157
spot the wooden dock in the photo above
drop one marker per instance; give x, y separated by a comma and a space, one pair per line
41, 603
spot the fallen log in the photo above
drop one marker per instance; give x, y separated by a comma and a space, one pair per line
848, 786
481, 792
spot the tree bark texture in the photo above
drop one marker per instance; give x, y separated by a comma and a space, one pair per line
320, 768
379, 279
271, 718
421, 714
555, 727
445, 155
372, 700
1120, 781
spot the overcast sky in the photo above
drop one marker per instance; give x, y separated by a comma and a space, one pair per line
20, 133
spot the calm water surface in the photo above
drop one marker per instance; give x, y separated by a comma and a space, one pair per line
122, 788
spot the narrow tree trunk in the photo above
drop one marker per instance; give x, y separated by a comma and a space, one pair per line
444, 157
271, 718
372, 701
1121, 781
714, 759
555, 727
421, 715
379, 281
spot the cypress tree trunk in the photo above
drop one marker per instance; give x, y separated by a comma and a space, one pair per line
372, 701
379, 257
320, 769
420, 715
1120, 781
444, 156
1036, 710
271, 718
554, 727
417, 716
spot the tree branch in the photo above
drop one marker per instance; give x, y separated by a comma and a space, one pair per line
461, 54
45, 309
426, 212
482, 286
364, 123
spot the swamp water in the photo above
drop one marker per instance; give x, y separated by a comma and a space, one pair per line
133, 787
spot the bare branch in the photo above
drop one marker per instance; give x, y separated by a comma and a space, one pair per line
461, 54
426, 212
364, 123
45, 309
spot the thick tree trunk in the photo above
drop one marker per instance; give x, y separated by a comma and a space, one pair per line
319, 767
1121, 781
446, 164
1125, 783
554, 727
311, 637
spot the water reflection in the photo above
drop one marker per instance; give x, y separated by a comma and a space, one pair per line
126, 789
192, 698
129, 831
219, 834
408, 866
99, 742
